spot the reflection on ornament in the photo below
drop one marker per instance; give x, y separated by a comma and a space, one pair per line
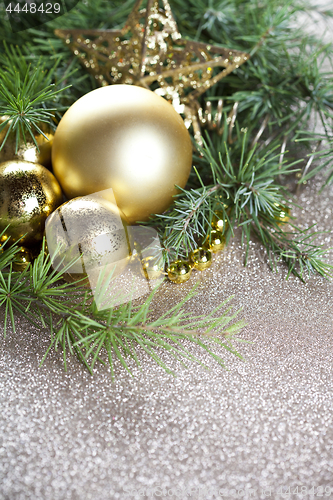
283, 214
200, 258
29, 151
216, 242
22, 259
85, 234
28, 195
150, 50
179, 271
128, 139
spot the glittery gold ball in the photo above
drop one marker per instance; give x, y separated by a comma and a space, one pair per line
283, 214
217, 241
201, 258
126, 138
28, 195
27, 151
22, 259
179, 271
91, 230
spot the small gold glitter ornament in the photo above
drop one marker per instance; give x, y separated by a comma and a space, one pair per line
216, 242
22, 259
201, 258
149, 50
28, 151
126, 138
28, 195
283, 215
179, 271
92, 230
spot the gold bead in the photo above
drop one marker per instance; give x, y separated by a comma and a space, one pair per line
216, 242
283, 214
150, 268
22, 259
29, 193
219, 222
126, 138
201, 258
179, 271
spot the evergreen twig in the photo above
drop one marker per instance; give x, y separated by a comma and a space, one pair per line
78, 327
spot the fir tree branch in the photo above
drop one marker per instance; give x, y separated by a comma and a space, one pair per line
25, 94
78, 327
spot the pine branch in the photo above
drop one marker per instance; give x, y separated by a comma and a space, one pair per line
247, 194
78, 327
25, 94
322, 153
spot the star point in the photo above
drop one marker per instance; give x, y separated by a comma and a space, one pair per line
149, 51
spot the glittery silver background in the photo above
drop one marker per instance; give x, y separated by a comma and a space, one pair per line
264, 425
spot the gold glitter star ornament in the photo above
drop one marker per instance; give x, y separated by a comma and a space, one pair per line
149, 50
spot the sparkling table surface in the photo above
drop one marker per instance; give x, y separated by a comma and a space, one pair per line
261, 429
246, 432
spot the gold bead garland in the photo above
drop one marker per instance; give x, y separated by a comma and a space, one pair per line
22, 259
200, 259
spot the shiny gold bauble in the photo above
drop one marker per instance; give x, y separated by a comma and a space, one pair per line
22, 259
92, 231
200, 258
179, 271
28, 151
126, 138
28, 195
216, 242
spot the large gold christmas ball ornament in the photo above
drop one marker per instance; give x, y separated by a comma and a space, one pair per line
179, 271
126, 138
92, 232
28, 195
